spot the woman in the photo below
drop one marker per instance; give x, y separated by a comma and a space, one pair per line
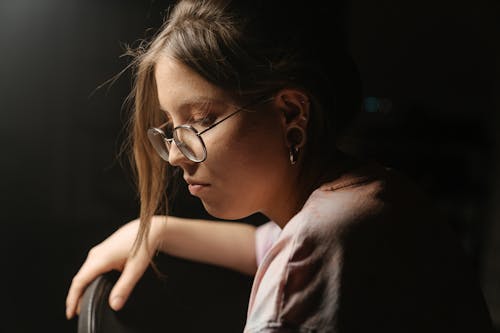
242, 97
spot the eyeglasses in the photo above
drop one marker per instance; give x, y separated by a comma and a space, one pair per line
187, 138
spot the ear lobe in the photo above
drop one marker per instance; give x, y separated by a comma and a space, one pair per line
296, 136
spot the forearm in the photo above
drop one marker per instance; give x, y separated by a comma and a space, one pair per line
226, 244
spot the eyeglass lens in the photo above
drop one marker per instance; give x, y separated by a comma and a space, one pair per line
159, 142
189, 143
186, 139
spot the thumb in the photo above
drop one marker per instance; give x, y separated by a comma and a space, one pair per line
132, 272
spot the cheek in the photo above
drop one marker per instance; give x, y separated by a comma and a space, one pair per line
261, 149
248, 164
244, 180
255, 144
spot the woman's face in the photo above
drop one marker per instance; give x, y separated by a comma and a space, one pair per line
247, 165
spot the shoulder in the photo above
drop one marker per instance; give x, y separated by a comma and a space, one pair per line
297, 284
367, 245
360, 196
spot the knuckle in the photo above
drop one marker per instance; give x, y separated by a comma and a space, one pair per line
76, 281
92, 252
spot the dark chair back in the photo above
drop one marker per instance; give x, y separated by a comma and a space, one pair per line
192, 297
96, 316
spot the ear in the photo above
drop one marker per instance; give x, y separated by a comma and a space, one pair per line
294, 105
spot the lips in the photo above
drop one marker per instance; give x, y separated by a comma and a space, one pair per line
191, 181
196, 187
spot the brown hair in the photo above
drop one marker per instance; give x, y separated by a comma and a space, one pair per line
250, 49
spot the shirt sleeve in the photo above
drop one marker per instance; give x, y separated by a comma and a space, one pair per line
265, 236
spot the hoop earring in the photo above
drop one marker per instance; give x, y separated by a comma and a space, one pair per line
295, 135
294, 155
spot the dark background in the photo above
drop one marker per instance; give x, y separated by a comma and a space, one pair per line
432, 67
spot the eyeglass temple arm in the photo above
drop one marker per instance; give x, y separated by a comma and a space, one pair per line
220, 121
235, 112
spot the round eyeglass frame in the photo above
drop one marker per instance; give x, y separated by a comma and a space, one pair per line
164, 151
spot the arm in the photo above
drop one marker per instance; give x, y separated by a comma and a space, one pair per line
225, 244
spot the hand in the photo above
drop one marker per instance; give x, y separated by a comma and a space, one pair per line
114, 254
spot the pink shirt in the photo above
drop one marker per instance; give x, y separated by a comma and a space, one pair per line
357, 257
265, 236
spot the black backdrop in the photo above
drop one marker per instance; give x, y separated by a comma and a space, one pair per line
433, 68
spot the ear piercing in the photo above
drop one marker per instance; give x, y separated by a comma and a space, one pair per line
294, 155
301, 101
296, 136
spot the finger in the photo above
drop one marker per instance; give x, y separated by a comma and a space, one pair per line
75, 291
133, 271
78, 306
87, 273
78, 285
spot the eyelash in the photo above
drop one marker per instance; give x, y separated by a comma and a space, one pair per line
202, 118
207, 120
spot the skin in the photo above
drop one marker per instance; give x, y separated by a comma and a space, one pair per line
247, 170
225, 244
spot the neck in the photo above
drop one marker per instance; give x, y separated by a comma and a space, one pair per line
295, 194
284, 209
339, 164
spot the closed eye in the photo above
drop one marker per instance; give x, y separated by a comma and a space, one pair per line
205, 121
200, 114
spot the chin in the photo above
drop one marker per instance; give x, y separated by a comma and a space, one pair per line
224, 212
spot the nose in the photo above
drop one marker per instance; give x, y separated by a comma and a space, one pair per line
176, 157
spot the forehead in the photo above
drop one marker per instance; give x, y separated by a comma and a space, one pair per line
178, 85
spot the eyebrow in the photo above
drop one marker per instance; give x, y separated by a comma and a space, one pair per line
196, 101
